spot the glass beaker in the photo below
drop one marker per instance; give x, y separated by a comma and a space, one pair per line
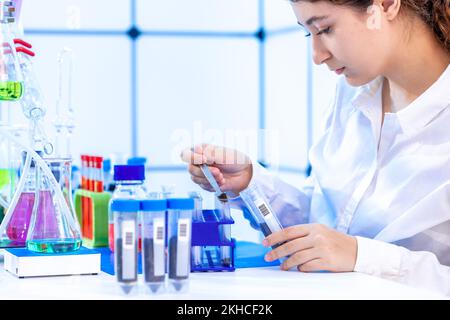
11, 86
54, 227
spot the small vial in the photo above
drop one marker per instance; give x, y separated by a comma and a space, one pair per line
153, 224
261, 210
179, 242
125, 213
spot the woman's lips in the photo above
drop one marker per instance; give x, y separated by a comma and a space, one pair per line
339, 71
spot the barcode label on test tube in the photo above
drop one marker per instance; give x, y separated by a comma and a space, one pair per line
158, 230
263, 209
159, 233
128, 234
182, 230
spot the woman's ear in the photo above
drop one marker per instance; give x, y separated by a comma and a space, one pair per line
391, 8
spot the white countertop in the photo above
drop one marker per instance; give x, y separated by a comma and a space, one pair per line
248, 283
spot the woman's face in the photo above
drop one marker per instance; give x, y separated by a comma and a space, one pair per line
355, 43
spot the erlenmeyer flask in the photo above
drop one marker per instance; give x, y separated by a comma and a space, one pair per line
53, 226
11, 86
15, 225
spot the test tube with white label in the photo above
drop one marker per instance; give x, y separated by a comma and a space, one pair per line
261, 210
125, 214
179, 237
153, 229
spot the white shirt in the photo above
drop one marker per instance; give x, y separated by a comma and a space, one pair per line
388, 185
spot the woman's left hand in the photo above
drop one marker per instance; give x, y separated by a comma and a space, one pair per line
313, 247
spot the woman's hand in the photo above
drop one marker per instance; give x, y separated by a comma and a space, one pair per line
313, 247
231, 168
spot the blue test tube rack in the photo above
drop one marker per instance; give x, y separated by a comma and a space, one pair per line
207, 234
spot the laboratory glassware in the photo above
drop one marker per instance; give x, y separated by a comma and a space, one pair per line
179, 242
65, 119
129, 185
15, 226
125, 215
153, 229
11, 82
54, 227
261, 210
197, 215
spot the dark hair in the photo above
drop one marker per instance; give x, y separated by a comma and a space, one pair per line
435, 13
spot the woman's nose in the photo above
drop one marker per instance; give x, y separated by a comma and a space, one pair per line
319, 52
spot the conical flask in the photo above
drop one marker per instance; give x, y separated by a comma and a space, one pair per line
15, 225
11, 86
53, 226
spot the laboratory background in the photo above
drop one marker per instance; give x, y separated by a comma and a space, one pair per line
98, 99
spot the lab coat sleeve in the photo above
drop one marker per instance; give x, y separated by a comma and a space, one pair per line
290, 204
416, 268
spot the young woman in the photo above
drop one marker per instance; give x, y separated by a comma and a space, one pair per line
378, 198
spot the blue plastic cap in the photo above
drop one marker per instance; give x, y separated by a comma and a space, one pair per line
137, 161
125, 205
154, 205
107, 165
129, 173
180, 203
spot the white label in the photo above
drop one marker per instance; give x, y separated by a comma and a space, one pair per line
158, 246
129, 267
183, 247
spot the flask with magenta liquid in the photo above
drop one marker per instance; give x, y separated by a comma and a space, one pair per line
15, 225
129, 181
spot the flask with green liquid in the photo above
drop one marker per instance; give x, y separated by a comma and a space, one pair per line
11, 83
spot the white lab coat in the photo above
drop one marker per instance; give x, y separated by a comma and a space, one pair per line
388, 185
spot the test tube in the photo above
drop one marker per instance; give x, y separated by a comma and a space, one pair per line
261, 210
125, 213
197, 215
225, 229
98, 182
153, 225
179, 242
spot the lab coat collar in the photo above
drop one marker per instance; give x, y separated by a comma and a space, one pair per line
368, 99
418, 114
427, 106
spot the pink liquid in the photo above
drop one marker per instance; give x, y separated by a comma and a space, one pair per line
46, 226
20, 221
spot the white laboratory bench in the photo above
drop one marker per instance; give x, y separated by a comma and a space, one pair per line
268, 283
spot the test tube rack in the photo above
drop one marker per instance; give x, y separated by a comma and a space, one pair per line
207, 241
93, 217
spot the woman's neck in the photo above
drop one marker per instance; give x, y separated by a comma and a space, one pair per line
414, 67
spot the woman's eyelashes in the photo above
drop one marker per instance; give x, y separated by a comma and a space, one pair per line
323, 31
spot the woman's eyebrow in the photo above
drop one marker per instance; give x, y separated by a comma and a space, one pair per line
312, 20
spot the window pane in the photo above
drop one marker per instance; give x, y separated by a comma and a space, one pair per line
101, 90
76, 14
206, 15
209, 93
286, 94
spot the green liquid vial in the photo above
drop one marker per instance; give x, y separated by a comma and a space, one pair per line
11, 90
